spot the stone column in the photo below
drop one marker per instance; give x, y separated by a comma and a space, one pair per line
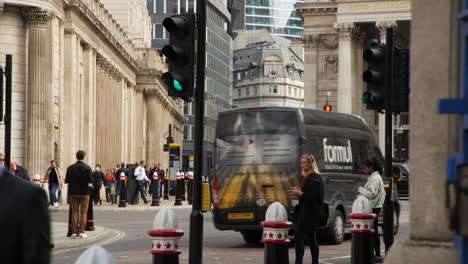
434, 72
382, 27
311, 43
39, 101
152, 148
345, 67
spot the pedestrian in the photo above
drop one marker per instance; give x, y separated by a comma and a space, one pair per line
374, 191
25, 221
53, 178
108, 179
98, 178
79, 178
310, 200
140, 178
19, 171
161, 177
112, 192
118, 166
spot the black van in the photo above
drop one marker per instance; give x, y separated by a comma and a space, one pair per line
257, 160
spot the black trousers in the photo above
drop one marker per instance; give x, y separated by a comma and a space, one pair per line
139, 189
300, 237
376, 232
97, 193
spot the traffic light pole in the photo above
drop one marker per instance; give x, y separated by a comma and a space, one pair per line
196, 217
388, 205
8, 101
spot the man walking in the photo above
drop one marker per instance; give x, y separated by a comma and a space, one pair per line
54, 179
140, 178
19, 171
79, 178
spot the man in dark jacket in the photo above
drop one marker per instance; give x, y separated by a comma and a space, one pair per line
98, 178
19, 171
25, 220
79, 178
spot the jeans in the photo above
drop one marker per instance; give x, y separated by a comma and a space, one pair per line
79, 205
53, 187
299, 238
139, 189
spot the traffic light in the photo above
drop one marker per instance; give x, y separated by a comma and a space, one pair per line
400, 93
374, 76
327, 107
180, 55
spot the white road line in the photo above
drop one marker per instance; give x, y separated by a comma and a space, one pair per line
119, 235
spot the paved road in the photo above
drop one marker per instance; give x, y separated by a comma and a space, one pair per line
130, 244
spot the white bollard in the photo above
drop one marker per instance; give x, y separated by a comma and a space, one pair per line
96, 255
362, 232
275, 234
166, 235
37, 179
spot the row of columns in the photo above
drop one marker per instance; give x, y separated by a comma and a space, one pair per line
99, 110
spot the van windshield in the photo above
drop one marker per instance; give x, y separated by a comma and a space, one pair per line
257, 122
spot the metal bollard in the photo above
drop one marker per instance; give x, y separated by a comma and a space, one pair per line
123, 191
178, 199
165, 235
90, 214
190, 186
362, 244
275, 234
182, 186
166, 189
155, 189
37, 179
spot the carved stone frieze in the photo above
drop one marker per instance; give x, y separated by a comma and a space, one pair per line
36, 16
108, 67
316, 11
328, 67
322, 41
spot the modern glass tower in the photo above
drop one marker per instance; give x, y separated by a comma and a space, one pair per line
218, 81
277, 16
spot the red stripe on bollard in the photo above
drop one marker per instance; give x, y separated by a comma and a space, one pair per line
166, 233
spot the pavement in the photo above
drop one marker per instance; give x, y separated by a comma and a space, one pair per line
101, 234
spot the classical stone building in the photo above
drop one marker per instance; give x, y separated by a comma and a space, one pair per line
82, 81
268, 70
335, 34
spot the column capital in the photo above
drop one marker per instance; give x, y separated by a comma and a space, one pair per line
311, 41
346, 31
36, 16
383, 25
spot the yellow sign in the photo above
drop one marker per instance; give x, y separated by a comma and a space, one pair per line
206, 198
191, 158
174, 145
240, 216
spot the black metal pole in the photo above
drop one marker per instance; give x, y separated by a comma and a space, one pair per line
196, 217
388, 205
8, 93
1, 94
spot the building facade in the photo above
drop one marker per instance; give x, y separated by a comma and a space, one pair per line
218, 81
80, 82
335, 36
268, 71
278, 17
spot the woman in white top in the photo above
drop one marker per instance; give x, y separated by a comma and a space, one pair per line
374, 191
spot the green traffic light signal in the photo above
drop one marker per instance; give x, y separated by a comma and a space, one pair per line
177, 85
366, 97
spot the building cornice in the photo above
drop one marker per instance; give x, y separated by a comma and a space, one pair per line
165, 102
316, 9
100, 17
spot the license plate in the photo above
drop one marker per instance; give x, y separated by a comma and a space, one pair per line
240, 216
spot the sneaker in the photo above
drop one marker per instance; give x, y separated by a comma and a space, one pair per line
83, 235
74, 236
50, 206
56, 205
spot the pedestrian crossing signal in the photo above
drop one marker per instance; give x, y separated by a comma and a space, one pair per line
327, 108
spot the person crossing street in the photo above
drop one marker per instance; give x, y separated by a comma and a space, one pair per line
140, 179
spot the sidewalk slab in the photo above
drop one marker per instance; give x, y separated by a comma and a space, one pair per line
130, 207
61, 241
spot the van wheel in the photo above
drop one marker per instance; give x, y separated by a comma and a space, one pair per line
252, 236
334, 234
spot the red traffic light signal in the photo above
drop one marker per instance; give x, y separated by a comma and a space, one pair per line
327, 108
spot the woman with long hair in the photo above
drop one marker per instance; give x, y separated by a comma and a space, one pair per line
310, 200
374, 191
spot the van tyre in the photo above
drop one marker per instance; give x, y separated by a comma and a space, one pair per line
334, 234
252, 236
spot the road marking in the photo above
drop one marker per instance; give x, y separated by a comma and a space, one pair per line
119, 235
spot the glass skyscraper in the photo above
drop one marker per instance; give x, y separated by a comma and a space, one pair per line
218, 81
277, 16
